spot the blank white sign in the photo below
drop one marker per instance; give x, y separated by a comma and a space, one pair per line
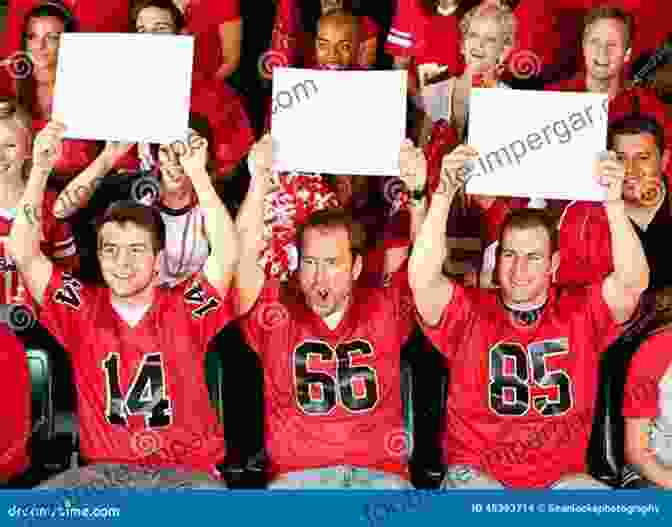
124, 87
338, 122
537, 144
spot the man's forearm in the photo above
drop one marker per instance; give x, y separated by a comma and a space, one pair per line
630, 265
78, 192
429, 249
418, 211
218, 224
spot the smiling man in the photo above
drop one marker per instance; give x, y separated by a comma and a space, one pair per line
523, 358
137, 350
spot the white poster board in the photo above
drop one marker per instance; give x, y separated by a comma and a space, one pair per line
537, 144
124, 87
338, 122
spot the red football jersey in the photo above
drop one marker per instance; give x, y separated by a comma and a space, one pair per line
16, 399
650, 379
521, 401
142, 396
56, 242
203, 18
91, 15
332, 397
408, 26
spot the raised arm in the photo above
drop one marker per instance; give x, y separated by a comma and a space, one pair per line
220, 265
431, 289
230, 38
250, 275
413, 172
78, 192
630, 278
24, 238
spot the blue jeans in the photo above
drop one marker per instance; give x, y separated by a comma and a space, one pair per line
340, 477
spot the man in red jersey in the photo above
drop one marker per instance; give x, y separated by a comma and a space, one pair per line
16, 415
585, 241
137, 350
330, 350
607, 41
523, 359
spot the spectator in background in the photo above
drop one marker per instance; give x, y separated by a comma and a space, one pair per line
607, 49
231, 130
488, 35
16, 390
92, 16
218, 31
585, 242
425, 36
297, 24
57, 241
42, 27
647, 409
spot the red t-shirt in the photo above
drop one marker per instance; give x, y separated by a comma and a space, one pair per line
521, 402
92, 17
16, 424
332, 397
650, 379
56, 242
142, 396
203, 18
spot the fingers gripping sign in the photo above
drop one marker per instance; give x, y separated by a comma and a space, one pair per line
610, 173
47, 145
457, 168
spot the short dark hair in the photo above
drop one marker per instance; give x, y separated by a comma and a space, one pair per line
530, 219
328, 219
128, 211
54, 9
610, 12
166, 5
635, 124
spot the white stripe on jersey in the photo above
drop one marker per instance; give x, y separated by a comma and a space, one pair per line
661, 433
398, 41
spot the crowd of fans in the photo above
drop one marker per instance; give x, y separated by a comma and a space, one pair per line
329, 277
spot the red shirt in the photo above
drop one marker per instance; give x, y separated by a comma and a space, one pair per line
56, 242
16, 426
521, 402
142, 396
332, 397
92, 17
203, 18
647, 386
230, 126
